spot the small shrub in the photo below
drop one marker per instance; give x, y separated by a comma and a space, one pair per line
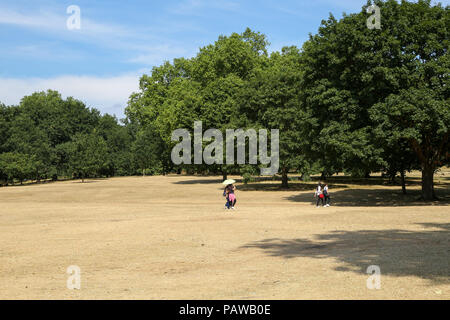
246, 177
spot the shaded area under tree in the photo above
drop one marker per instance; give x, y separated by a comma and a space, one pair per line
424, 254
373, 197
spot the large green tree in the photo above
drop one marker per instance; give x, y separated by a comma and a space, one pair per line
271, 100
87, 155
203, 88
359, 79
418, 114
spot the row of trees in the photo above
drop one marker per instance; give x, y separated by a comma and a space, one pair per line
46, 137
351, 99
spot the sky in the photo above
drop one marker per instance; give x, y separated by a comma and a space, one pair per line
101, 62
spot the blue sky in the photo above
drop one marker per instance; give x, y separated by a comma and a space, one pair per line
100, 64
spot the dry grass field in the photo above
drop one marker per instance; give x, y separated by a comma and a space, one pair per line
170, 238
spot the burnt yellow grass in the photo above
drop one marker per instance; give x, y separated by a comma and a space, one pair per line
170, 238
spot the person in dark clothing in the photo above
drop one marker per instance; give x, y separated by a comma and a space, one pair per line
326, 195
228, 192
225, 194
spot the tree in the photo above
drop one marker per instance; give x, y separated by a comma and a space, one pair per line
338, 87
271, 99
118, 141
202, 88
147, 149
398, 158
358, 79
18, 166
420, 117
222, 69
41, 123
87, 154
418, 113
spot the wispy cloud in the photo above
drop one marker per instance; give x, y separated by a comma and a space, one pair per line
51, 22
46, 20
108, 94
141, 43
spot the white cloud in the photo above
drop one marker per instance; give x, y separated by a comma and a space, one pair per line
93, 32
51, 21
44, 20
107, 94
144, 45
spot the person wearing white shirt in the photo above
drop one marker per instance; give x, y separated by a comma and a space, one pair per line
319, 195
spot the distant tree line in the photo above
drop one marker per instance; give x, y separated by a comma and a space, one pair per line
46, 137
352, 99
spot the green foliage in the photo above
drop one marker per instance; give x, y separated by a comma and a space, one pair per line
353, 99
147, 150
44, 129
205, 88
18, 166
306, 177
270, 100
118, 141
369, 90
87, 155
247, 172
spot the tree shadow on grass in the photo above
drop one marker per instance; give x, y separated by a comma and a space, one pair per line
304, 186
373, 180
376, 197
50, 181
424, 254
93, 180
334, 182
217, 181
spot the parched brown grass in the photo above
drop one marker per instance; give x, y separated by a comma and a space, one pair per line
170, 238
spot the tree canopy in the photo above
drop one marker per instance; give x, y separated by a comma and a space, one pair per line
351, 99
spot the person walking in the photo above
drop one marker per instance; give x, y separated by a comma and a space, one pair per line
319, 195
326, 195
231, 196
225, 194
228, 192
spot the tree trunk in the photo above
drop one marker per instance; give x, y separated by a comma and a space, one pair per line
224, 174
323, 176
392, 178
143, 172
427, 182
402, 174
284, 178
